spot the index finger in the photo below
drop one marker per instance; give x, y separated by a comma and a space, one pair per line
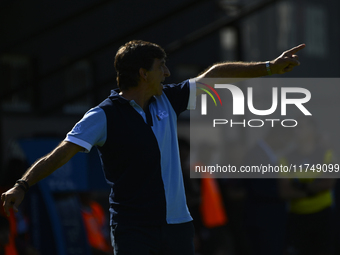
295, 49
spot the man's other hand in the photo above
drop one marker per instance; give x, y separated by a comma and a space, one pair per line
12, 198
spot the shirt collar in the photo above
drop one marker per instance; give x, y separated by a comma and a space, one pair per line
115, 96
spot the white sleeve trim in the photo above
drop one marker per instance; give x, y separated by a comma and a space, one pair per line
87, 147
192, 95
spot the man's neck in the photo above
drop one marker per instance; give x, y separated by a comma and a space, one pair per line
138, 95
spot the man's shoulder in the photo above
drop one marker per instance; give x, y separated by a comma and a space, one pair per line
175, 85
114, 99
105, 103
182, 95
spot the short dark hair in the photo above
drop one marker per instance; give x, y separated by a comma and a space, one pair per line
131, 57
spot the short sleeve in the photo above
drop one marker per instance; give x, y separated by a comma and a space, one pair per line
90, 131
182, 96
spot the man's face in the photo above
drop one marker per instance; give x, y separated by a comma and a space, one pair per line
156, 76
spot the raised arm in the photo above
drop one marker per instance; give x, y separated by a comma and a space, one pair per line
39, 170
282, 64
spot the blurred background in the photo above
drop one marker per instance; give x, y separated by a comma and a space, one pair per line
57, 61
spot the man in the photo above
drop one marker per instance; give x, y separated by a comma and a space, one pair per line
135, 133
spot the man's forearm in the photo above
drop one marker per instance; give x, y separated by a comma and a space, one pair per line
236, 70
39, 170
282, 64
46, 165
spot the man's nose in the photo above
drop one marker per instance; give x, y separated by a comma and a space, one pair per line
166, 72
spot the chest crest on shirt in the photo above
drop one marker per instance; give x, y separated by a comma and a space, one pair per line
161, 114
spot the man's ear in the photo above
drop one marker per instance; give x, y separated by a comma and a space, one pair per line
143, 73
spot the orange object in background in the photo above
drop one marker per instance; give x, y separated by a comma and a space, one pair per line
94, 220
212, 208
10, 248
